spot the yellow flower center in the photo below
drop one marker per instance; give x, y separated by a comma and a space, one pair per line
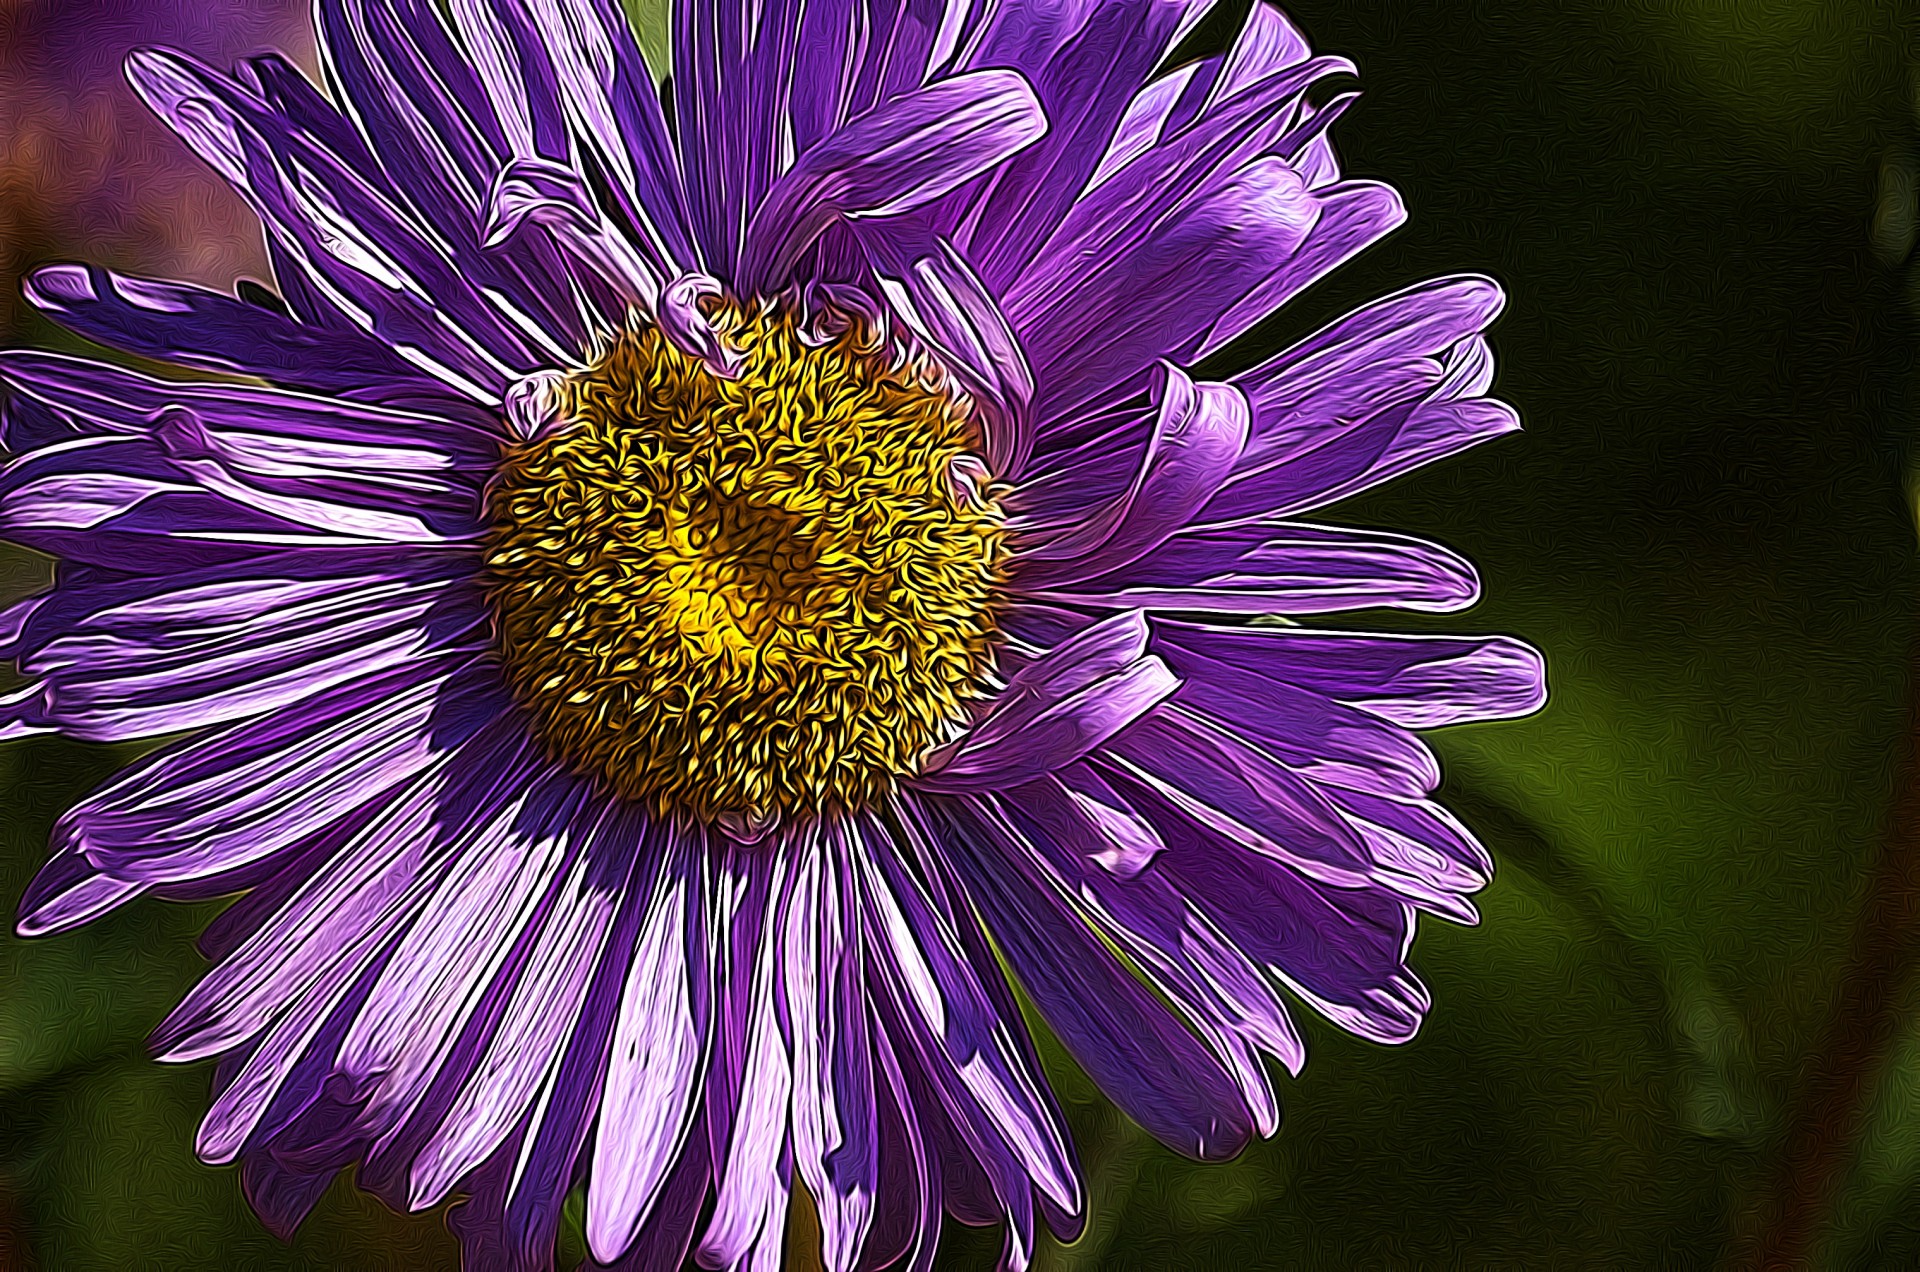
745, 597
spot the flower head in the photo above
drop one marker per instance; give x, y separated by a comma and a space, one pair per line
692, 585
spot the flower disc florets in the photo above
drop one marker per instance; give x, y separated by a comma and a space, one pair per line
740, 597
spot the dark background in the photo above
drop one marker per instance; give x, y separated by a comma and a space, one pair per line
1703, 212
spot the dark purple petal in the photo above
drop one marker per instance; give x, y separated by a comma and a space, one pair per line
1341, 948
753, 1180
611, 107
430, 120
1224, 993
1242, 794
970, 1051
1198, 433
1143, 1056
733, 76
912, 150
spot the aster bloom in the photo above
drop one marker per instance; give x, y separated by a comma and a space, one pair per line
680, 593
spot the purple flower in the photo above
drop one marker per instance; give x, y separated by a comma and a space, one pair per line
694, 585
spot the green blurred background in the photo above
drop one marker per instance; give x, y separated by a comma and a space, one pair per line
1704, 212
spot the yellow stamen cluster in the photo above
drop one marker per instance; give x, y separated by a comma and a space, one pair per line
751, 596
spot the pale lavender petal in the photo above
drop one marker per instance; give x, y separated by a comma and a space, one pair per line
1057, 707
504, 867
526, 1047
68, 892
647, 1108
936, 293
834, 1116
1059, 734
749, 1215
373, 884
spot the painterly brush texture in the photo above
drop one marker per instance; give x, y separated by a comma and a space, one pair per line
692, 606
1609, 1051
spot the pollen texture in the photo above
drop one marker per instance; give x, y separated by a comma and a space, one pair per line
770, 594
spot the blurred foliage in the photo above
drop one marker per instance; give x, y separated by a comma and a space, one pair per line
1697, 208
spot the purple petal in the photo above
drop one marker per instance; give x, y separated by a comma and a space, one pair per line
753, 1185
1342, 949
835, 1133
1057, 708
1353, 216
912, 150
527, 1044
733, 76
234, 648
1086, 62
70, 891
1139, 1052
1178, 947
495, 889
1386, 389
255, 789
372, 889
53, 398
428, 115
1242, 794
965, 1042
340, 229
176, 322
1198, 434
1283, 568
1324, 740
1419, 682
936, 293
1095, 323
647, 1107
